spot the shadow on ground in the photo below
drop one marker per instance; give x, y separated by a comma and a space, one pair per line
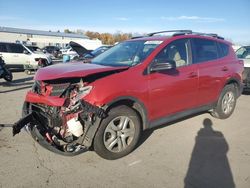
25, 83
17, 82
209, 166
147, 133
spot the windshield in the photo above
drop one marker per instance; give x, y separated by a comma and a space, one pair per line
34, 48
127, 53
243, 52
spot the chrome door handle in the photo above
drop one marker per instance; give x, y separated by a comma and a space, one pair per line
192, 75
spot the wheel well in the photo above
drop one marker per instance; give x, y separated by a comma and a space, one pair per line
139, 109
236, 85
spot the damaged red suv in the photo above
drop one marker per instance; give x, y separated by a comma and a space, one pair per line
136, 85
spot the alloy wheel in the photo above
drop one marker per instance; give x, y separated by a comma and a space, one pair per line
119, 133
228, 102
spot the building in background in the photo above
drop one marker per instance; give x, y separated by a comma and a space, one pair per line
45, 38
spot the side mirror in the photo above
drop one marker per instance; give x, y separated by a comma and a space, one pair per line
26, 52
168, 65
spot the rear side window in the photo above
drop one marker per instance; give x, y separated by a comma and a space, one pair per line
224, 49
204, 50
15, 48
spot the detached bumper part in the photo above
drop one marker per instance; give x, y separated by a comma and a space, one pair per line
89, 108
29, 118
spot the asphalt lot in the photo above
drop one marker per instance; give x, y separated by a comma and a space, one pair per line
198, 152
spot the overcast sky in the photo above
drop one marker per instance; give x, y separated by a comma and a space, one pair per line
229, 18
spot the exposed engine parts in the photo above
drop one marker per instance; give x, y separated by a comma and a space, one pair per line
63, 128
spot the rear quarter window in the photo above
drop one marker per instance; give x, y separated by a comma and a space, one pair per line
224, 49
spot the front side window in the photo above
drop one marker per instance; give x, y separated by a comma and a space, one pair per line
175, 51
127, 53
243, 52
204, 50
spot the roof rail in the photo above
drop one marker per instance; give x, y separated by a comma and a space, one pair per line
136, 37
209, 34
180, 32
170, 31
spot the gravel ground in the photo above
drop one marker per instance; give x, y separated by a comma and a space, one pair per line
198, 152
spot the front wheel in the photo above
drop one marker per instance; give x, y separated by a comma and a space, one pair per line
226, 103
7, 75
118, 134
28, 72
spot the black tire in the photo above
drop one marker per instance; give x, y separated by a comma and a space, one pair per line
28, 72
129, 120
225, 106
8, 76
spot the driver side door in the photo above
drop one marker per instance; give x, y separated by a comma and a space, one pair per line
174, 90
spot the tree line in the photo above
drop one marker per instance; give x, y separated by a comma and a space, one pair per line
106, 38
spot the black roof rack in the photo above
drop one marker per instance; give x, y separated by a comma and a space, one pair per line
136, 37
208, 34
181, 32
170, 31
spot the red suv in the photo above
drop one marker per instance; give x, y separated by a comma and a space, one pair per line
136, 85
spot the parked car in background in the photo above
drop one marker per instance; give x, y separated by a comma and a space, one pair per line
97, 51
53, 50
84, 54
236, 47
18, 56
65, 49
244, 54
70, 52
136, 85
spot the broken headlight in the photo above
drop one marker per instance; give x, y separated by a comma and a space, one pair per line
83, 91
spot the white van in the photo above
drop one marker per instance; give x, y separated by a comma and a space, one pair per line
20, 57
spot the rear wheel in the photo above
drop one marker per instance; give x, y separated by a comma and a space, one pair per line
226, 103
118, 134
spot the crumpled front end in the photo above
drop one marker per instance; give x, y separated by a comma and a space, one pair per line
58, 117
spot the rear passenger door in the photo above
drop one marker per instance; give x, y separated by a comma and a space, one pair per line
212, 69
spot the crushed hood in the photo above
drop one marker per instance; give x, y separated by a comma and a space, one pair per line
71, 70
